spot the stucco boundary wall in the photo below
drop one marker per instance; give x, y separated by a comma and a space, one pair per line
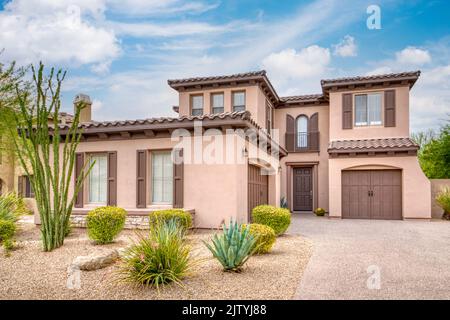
436, 186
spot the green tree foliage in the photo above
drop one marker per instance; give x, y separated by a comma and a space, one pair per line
11, 79
47, 154
434, 153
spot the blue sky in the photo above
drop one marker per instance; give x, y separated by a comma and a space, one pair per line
121, 53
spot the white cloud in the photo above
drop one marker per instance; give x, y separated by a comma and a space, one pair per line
161, 7
379, 70
289, 63
55, 33
413, 56
178, 29
346, 48
96, 105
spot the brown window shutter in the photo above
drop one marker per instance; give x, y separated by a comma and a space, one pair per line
178, 179
347, 111
389, 108
79, 164
20, 186
290, 133
314, 131
141, 178
112, 178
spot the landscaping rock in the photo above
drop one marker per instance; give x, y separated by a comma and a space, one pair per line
95, 261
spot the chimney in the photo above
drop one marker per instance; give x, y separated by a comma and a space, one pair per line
85, 101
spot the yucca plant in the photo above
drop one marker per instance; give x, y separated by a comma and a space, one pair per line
443, 200
161, 258
233, 247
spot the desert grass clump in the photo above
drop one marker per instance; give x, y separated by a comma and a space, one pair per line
161, 258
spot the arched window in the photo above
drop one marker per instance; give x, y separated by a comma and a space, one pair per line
302, 132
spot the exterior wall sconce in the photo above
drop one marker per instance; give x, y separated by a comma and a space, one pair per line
244, 152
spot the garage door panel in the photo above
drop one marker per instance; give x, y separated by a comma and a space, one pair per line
372, 194
258, 188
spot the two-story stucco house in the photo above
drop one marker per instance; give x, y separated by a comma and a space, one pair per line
346, 150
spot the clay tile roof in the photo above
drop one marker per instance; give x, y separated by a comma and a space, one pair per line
244, 115
413, 75
245, 75
302, 98
372, 145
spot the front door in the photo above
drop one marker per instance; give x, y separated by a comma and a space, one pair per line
303, 192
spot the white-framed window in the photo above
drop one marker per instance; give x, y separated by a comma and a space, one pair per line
196, 105
302, 132
217, 103
368, 109
238, 100
98, 178
162, 177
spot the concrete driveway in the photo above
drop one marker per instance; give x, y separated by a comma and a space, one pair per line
375, 259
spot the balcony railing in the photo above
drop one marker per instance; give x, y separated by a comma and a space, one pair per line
303, 141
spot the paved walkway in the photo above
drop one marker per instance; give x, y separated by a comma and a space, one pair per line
412, 257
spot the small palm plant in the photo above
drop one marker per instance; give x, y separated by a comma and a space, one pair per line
233, 247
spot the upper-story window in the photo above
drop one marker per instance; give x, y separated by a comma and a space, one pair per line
239, 101
217, 104
197, 105
302, 132
368, 109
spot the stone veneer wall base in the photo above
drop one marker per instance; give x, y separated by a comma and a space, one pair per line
131, 222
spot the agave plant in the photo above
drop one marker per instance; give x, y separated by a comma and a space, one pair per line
234, 247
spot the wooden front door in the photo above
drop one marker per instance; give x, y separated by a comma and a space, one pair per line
303, 189
258, 188
372, 194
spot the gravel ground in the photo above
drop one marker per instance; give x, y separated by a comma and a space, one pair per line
412, 258
30, 273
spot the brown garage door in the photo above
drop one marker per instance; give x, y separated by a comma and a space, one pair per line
258, 188
372, 194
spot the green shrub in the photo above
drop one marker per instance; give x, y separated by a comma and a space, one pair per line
265, 237
233, 247
278, 219
162, 258
12, 207
443, 200
7, 230
105, 223
182, 217
320, 212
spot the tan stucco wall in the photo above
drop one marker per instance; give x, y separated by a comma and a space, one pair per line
436, 187
402, 117
321, 157
254, 101
7, 173
416, 188
216, 192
